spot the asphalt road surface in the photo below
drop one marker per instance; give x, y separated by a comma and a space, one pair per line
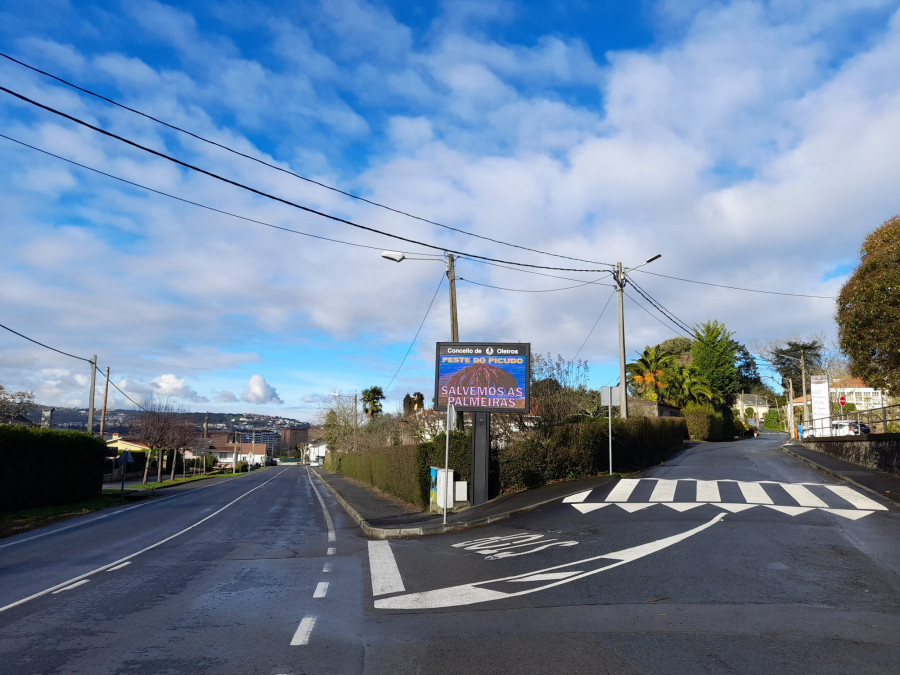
732, 557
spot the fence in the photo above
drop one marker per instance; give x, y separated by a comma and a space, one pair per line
883, 420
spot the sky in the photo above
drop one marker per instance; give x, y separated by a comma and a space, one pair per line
752, 144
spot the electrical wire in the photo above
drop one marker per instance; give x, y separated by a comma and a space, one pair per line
738, 288
526, 290
595, 324
272, 197
53, 349
416, 337
193, 203
287, 171
122, 392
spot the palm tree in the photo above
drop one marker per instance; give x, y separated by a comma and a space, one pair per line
371, 399
689, 386
649, 372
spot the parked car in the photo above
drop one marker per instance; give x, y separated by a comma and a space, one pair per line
849, 428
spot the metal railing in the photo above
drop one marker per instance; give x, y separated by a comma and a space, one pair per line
877, 420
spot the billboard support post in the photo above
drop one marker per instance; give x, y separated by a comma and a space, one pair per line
481, 378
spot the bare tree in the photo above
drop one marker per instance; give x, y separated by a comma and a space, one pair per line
13, 404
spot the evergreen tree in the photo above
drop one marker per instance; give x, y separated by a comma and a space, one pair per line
714, 357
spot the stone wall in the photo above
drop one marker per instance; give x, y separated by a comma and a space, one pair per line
873, 451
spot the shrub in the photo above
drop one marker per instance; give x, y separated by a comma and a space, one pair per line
706, 424
44, 467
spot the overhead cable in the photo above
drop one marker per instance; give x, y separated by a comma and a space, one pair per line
287, 171
53, 349
595, 324
738, 288
267, 195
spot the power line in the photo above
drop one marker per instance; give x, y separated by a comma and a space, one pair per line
526, 290
287, 171
416, 337
738, 288
590, 332
123, 393
192, 203
53, 349
267, 195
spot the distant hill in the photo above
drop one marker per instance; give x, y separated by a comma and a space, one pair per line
120, 420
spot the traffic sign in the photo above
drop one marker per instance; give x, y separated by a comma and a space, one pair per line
842, 401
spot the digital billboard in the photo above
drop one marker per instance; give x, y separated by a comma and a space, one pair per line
483, 376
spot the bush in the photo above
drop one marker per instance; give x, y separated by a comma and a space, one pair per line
773, 421
706, 424
44, 467
242, 467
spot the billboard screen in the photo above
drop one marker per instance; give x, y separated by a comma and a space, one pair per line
483, 376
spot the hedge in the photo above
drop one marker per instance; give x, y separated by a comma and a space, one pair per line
574, 451
45, 467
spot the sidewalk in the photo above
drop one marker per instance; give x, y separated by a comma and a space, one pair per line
381, 516
881, 484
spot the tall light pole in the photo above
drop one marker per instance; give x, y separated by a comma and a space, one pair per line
621, 280
397, 256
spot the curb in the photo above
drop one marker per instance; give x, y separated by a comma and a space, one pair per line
411, 532
839, 476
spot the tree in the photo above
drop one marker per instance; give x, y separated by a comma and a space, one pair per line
748, 375
868, 310
648, 373
679, 347
715, 356
371, 399
13, 404
413, 404
791, 358
688, 386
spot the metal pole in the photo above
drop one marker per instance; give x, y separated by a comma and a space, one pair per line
450, 417
609, 435
619, 276
90, 424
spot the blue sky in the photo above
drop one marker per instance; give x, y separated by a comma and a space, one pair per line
752, 144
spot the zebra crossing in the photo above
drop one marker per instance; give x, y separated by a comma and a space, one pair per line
793, 499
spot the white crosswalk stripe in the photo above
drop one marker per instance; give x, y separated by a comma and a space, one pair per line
793, 499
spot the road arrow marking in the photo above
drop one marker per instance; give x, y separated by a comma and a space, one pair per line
580, 497
468, 594
587, 508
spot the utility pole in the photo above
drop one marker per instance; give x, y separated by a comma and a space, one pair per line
803, 376
791, 409
90, 424
619, 277
355, 423
451, 275
105, 394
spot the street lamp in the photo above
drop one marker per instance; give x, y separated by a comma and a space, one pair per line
620, 279
397, 256
355, 416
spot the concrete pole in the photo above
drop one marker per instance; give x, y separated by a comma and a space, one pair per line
803, 375
90, 423
451, 275
355, 423
105, 394
619, 276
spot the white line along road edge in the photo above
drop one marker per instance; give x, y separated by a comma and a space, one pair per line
134, 555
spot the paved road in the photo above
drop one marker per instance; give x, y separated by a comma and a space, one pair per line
730, 558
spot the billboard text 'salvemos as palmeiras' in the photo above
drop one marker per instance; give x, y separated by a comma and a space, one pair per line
483, 376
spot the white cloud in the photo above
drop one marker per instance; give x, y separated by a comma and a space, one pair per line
260, 392
226, 397
170, 385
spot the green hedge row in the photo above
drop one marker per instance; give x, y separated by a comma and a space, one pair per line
44, 467
574, 451
706, 424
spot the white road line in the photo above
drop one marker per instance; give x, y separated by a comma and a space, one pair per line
576, 498
118, 567
855, 498
71, 586
328, 521
383, 568
664, 491
321, 589
803, 496
327, 568
623, 489
304, 630
708, 491
754, 493
134, 555
331, 550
